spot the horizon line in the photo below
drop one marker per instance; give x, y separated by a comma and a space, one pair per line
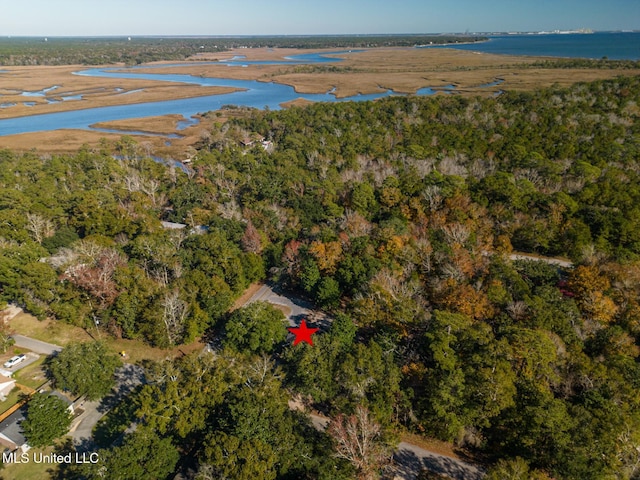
296, 35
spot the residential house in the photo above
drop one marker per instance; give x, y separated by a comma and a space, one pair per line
11, 435
6, 385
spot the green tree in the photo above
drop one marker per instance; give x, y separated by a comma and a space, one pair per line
230, 457
328, 294
363, 199
142, 456
368, 376
514, 469
256, 414
539, 428
468, 381
6, 340
309, 275
47, 418
85, 369
257, 327
180, 394
313, 370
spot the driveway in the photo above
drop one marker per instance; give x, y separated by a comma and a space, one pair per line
410, 460
30, 358
128, 377
299, 308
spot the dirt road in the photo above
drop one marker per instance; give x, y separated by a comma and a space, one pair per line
560, 262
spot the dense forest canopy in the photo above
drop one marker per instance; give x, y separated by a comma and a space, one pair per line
398, 217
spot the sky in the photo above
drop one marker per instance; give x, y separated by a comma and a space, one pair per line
311, 17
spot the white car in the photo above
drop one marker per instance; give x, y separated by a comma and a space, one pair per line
16, 359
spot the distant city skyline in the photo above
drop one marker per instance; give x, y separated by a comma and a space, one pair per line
286, 17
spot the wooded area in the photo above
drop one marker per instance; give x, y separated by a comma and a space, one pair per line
397, 217
137, 50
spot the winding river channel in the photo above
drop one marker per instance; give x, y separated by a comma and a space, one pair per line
252, 93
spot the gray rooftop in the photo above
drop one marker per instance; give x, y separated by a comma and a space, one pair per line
11, 429
173, 225
61, 396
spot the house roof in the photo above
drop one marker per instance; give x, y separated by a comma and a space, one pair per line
10, 429
61, 396
6, 385
173, 225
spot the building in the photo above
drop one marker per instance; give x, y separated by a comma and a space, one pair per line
6, 385
252, 140
65, 399
173, 225
197, 230
11, 435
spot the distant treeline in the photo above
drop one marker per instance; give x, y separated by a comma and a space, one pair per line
359, 41
98, 51
136, 50
603, 63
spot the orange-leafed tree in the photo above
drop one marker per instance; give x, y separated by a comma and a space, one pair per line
590, 288
599, 307
327, 255
464, 299
586, 279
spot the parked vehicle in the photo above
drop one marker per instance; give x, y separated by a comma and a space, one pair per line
15, 360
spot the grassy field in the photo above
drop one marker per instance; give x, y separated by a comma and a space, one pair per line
403, 70
60, 333
70, 141
32, 375
11, 400
30, 470
51, 331
165, 124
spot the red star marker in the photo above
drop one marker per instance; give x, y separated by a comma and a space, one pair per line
303, 333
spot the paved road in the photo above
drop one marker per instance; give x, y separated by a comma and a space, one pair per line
319, 423
36, 345
300, 309
410, 460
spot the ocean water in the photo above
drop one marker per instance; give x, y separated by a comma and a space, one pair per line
613, 45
